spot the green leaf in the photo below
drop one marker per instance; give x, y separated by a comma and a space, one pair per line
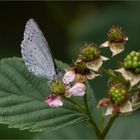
22, 98
125, 127
75, 132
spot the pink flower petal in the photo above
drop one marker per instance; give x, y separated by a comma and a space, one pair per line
54, 101
69, 77
77, 90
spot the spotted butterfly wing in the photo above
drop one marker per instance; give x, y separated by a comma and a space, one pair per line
36, 53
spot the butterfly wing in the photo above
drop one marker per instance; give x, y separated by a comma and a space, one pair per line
36, 53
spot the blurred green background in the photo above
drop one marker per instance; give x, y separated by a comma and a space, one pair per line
67, 26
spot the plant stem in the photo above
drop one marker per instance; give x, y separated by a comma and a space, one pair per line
101, 121
91, 120
107, 127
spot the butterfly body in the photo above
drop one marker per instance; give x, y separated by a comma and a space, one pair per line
36, 52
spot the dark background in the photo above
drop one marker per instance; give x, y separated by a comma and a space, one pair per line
67, 26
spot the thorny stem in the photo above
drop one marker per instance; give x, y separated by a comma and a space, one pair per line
91, 120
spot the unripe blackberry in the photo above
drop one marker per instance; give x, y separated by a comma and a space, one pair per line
116, 35
57, 87
81, 68
89, 52
118, 94
132, 62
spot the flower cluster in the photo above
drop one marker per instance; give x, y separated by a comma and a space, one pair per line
73, 82
64, 88
87, 66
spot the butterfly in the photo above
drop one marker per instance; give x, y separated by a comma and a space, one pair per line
36, 52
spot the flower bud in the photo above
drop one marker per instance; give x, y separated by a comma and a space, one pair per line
89, 52
116, 35
118, 94
132, 62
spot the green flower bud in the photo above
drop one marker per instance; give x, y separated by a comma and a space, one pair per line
80, 67
118, 94
89, 52
57, 87
135, 58
128, 64
116, 35
129, 57
133, 53
132, 62
135, 64
137, 54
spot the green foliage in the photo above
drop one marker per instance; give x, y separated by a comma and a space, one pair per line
119, 130
22, 98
